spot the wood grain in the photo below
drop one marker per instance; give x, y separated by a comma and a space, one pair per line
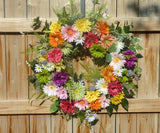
2, 9
17, 83
2, 68
4, 124
15, 9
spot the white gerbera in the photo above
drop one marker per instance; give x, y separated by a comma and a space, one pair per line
91, 117
49, 66
50, 90
119, 46
102, 86
38, 68
118, 72
79, 39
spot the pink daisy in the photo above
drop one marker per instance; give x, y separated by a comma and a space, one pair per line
69, 32
55, 55
81, 104
62, 93
118, 60
104, 102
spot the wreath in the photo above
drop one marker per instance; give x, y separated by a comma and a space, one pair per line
106, 82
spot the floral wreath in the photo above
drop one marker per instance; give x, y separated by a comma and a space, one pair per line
104, 85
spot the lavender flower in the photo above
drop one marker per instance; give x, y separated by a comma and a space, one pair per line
60, 78
43, 52
92, 88
130, 72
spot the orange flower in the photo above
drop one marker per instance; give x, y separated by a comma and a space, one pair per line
106, 41
103, 28
95, 105
107, 73
55, 39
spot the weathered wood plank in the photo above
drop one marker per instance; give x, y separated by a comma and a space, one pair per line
23, 107
2, 9
17, 84
40, 124
60, 125
38, 8
126, 123
148, 85
2, 68
15, 9
147, 123
3, 124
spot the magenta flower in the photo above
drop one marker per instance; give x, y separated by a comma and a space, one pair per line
60, 78
61, 93
55, 55
67, 107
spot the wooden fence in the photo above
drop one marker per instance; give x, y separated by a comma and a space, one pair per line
17, 116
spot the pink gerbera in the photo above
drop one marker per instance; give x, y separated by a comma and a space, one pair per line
104, 102
90, 39
55, 55
69, 32
81, 104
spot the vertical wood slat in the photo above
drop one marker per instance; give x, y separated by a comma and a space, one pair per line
15, 8
3, 124
1, 9
2, 68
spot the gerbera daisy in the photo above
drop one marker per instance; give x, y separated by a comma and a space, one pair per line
79, 39
83, 25
50, 90
95, 105
90, 117
118, 72
106, 41
90, 39
55, 39
69, 32
55, 27
81, 104
38, 68
107, 73
102, 86
103, 28
118, 61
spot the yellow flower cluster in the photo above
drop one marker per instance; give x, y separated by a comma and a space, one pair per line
55, 27
117, 99
92, 96
83, 25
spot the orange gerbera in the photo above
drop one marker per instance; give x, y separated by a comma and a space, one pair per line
95, 105
107, 73
103, 28
55, 39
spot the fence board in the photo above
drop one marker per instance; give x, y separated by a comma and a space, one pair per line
2, 9
17, 84
126, 123
40, 124
2, 68
148, 85
3, 124
60, 125
38, 8
15, 9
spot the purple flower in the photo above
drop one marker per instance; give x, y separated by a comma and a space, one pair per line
60, 78
130, 58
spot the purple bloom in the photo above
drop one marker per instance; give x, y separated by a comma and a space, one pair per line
130, 58
60, 78
43, 52
92, 88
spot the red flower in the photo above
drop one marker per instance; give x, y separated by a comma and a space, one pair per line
90, 39
114, 88
68, 107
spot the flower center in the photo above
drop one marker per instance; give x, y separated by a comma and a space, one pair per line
51, 87
117, 43
104, 85
82, 102
76, 91
56, 39
110, 74
90, 116
106, 41
116, 60
38, 67
118, 71
70, 32
79, 38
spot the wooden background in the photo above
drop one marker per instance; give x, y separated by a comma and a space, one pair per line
17, 116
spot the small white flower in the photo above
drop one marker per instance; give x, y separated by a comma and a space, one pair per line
38, 68
79, 39
91, 117
81, 82
105, 15
118, 72
50, 90
49, 66
28, 63
119, 46
102, 86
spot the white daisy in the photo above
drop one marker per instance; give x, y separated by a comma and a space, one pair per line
118, 60
79, 39
38, 68
101, 86
50, 90
49, 66
119, 46
91, 117
118, 72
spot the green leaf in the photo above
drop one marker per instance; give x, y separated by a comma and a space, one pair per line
115, 107
108, 57
125, 104
131, 47
54, 107
112, 48
133, 86
75, 77
110, 110
135, 40
139, 47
